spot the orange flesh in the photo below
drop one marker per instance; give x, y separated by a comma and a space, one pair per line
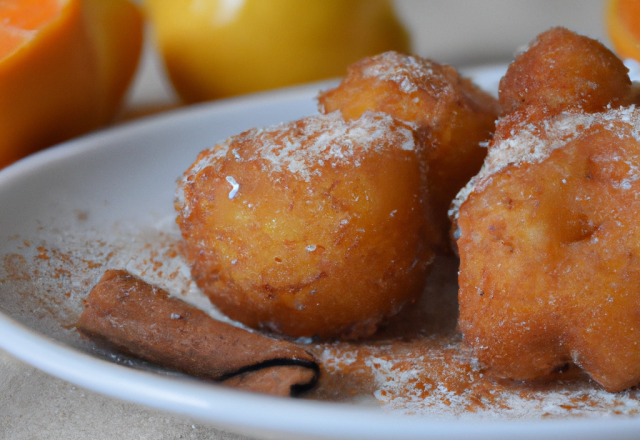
623, 26
629, 11
18, 18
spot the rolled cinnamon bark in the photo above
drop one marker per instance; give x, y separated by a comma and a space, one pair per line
125, 312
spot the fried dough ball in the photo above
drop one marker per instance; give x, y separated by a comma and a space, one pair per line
561, 71
451, 114
550, 250
311, 228
549, 230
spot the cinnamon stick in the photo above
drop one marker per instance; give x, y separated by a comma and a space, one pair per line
142, 320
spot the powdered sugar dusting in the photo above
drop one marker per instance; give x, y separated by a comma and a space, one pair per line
302, 147
405, 70
299, 146
533, 143
438, 377
213, 155
234, 187
406, 391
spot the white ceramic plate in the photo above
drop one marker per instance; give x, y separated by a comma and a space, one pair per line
126, 175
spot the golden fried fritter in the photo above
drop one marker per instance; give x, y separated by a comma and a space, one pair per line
549, 230
316, 227
562, 70
550, 250
452, 115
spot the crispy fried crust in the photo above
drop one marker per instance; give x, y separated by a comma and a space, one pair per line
550, 263
562, 70
327, 233
450, 113
549, 235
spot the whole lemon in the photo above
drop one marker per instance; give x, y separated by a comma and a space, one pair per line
218, 48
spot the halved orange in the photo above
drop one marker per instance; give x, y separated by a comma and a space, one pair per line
623, 26
64, 68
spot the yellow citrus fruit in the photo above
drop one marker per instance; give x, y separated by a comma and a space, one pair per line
623, 26
218, 48
64, 67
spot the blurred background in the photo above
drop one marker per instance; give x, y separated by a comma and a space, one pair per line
463, 33
467, 32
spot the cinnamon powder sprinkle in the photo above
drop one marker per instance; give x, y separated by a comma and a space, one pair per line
417, 365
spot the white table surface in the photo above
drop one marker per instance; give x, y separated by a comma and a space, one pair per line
34, 405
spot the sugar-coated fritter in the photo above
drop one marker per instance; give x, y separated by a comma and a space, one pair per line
549, 230
562, 70
451, 115
550, 250
316, 227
